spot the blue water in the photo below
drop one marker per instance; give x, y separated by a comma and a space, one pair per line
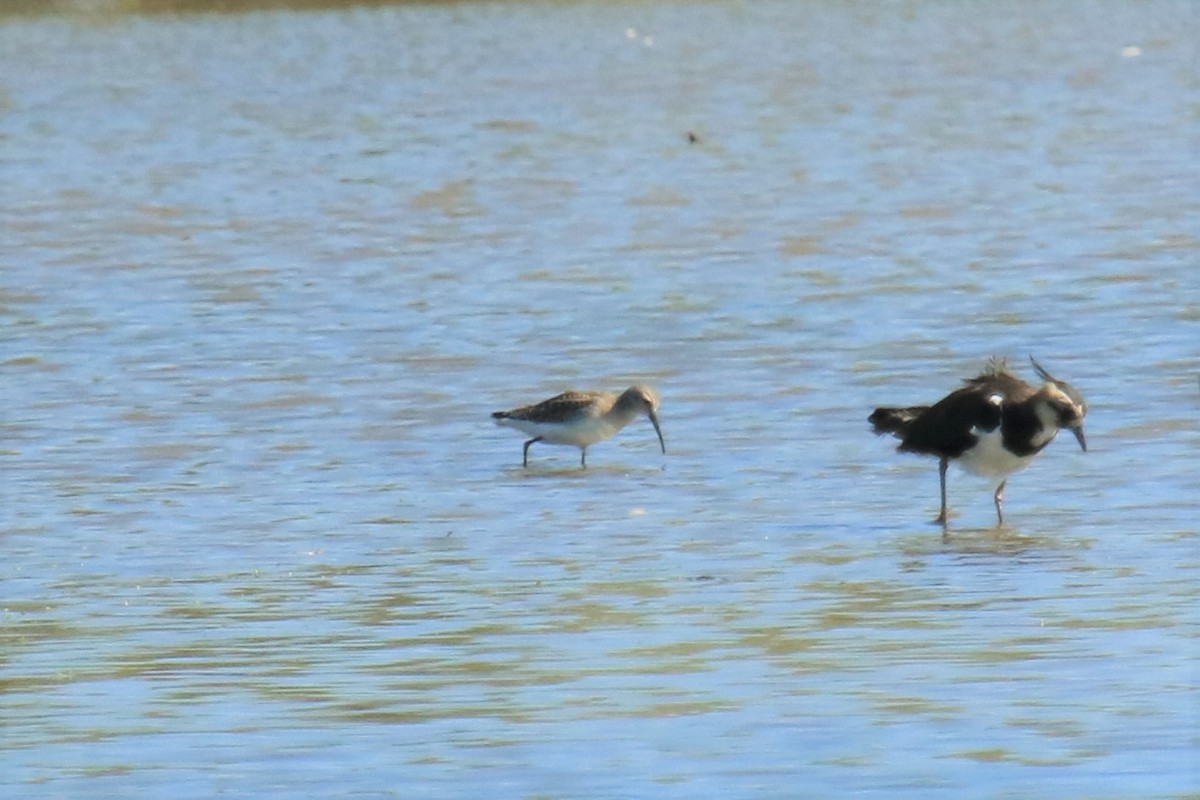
263, 276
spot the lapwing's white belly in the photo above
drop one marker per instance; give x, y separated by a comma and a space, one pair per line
989, 457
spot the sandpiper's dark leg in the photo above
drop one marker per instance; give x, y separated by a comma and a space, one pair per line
945, 462
525, 453
999, 498
583, 458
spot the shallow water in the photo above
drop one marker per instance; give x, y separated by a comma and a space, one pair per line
265, 275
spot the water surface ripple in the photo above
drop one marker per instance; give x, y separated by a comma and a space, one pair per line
264, 275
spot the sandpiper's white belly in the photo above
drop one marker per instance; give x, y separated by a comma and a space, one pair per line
990, 458
581, 432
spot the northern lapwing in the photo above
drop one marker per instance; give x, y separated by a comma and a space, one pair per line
582, 418
992, 426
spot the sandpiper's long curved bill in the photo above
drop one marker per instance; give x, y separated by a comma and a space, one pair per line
657, 429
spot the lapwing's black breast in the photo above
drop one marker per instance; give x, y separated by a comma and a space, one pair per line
1021, 429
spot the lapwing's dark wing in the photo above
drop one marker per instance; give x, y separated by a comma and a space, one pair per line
949, 427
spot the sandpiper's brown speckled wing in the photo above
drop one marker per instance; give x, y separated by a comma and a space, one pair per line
560, 408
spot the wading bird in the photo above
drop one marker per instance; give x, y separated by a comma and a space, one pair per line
992, 426
582, 418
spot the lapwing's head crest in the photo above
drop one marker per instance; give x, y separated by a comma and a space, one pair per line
1065, 401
